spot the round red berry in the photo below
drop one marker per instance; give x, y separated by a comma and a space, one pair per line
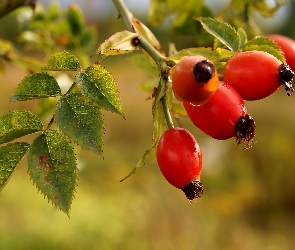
223, 116
180, 160
194, 79
257, 74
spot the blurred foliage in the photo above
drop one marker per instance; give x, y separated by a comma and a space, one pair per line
249, 194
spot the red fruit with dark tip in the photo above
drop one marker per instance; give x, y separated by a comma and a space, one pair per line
223, 116
194, 79
257, 74
180, 160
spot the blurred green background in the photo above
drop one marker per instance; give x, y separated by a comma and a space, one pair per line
249, 197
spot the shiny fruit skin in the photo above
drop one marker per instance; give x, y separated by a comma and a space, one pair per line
287, 45
185, 85
220, 114
254, 74
179, 157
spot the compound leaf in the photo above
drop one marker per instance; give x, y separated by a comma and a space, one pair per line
52, 167
17, 124
99, 86
62, 61
10, 155
38, 85
80, 121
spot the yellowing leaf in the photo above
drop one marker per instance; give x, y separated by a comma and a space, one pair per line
17, 124
38, 85
145, 32
119, 43
215, 56
62, 61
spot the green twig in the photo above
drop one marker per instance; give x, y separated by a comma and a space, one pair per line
166, 112
127, 18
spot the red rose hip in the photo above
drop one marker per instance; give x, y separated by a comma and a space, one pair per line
223, 116
194, 79
180, 160
257, 74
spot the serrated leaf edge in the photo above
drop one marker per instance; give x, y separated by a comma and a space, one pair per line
225, 42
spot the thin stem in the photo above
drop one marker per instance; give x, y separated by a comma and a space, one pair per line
71, 88
125, 14
127, 18
166, 112
155, 54
49, 124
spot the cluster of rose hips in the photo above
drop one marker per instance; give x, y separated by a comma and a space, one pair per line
217, 107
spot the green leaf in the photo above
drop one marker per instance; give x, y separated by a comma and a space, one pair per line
212, 55
38, 85
222, 31
62, 61
143, 62
99, 86
155, 13
178, 109
80, 121
185, 24
89, 37
149, 85
119, 43
171, 49
242, 37
161, 90
158, 119
265, 44
52, 167
17, 124
10, 155
75, 19
53, 11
